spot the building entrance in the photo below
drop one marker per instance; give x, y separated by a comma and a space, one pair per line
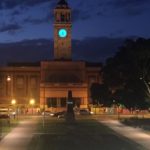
58, 104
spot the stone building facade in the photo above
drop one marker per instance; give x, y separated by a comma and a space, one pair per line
48, 82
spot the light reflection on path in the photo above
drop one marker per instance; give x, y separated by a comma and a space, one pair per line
135, 134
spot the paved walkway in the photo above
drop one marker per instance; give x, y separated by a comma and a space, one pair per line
19, 137
135, 134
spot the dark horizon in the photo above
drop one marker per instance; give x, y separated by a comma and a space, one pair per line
42, 49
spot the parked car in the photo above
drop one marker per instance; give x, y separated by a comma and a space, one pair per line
47, 113
4, 113
60, 114
84, 112
4, 116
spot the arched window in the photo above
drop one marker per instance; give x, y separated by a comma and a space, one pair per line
62, 17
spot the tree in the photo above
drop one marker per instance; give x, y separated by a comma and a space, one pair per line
132, 96
100, 94
129, 71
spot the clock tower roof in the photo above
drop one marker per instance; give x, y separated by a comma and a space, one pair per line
62, 4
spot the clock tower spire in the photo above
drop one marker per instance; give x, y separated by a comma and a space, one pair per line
62, 31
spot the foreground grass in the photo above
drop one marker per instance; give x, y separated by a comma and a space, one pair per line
143, 123
6, 125
83, 134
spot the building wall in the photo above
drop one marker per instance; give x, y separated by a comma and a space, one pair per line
63, 72
53, 79
24, 85
58, 77
60, 91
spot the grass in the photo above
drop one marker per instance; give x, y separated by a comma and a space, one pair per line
6, 125
143, 123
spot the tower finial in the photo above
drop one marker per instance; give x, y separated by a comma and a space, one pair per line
62, 3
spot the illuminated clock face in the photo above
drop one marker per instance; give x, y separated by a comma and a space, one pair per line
62, 33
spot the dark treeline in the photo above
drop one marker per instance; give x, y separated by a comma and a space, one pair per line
126, 77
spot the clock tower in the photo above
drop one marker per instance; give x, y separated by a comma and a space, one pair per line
62, 31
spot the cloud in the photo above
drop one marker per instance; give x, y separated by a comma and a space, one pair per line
100, 13
23, 7
11, 28
89, 49
76, 14
37, 20
130, 7
79, 14
9, 4
96, 49
129, 3
16, 12
113, 8
26, 51
91, 9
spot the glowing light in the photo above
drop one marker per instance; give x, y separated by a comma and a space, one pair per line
32, 101
13, 101
8, 78
62, 33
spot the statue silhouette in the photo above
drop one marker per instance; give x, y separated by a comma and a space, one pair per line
70, 117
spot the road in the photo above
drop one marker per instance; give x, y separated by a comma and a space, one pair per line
85, 133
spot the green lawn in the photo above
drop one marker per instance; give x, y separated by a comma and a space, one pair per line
143, 123
6, 125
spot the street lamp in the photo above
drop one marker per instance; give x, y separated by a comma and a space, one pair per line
13, 102
32, 102
43, 105
10, 79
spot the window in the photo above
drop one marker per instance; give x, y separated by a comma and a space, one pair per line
92, 79
51, 102
33, 82
20, 82
62, 17
77, 101
63, 102
1, 82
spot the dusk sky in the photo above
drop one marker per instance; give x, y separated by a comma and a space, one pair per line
99, 27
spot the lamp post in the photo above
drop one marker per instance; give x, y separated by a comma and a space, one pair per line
114, 107
32, 102
44, 106
1, 129
13, 102
10, 79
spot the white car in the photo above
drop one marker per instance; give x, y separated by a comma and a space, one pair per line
47, 113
